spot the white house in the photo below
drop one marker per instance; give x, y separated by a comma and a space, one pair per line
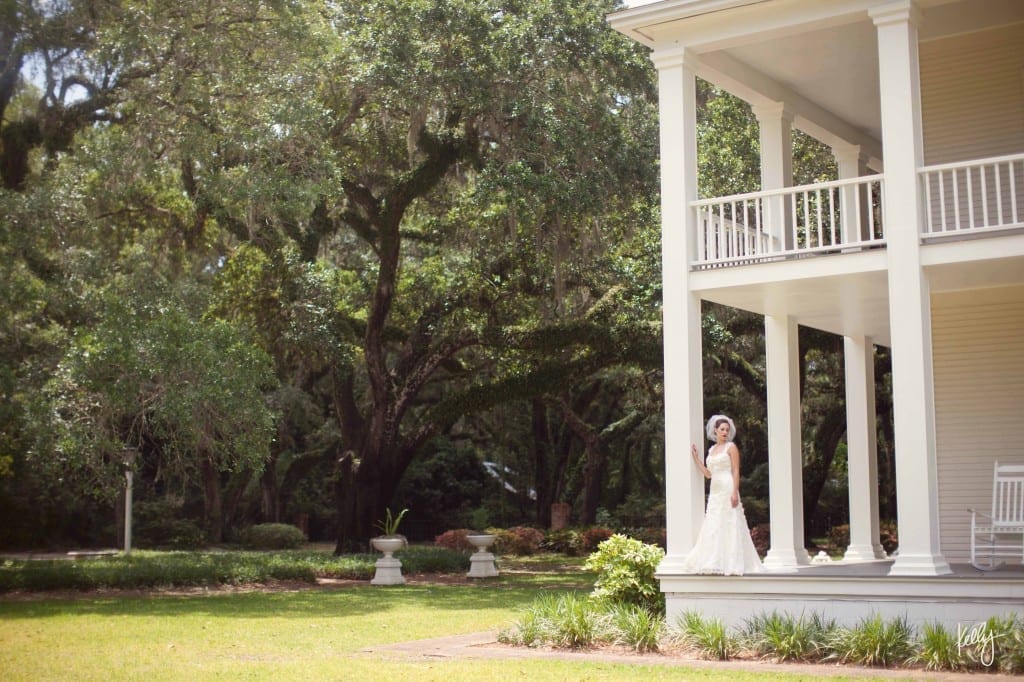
918, 245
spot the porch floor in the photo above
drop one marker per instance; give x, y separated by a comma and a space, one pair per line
850, 591
880, 569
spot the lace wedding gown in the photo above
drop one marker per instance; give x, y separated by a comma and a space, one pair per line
723, 545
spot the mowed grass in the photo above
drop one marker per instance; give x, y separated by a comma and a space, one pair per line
322, 633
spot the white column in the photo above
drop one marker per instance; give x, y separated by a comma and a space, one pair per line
909, 298
854, 205
775, 124
862, 449
681, 309
785, 479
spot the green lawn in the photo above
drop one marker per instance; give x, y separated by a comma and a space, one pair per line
309, 633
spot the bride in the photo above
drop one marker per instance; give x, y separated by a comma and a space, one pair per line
723, 545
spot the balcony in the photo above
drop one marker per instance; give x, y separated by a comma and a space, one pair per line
794, 222
973, 198
962, 200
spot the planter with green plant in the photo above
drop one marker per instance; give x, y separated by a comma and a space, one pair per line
389, 569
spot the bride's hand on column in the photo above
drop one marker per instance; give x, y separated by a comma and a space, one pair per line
696, 460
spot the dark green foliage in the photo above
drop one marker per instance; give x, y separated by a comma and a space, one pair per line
144, 569
417, 559
161, 524
272, 536
443, 489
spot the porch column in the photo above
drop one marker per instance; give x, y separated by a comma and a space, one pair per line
785, 480
684, 499
775, 124
853, 202
909, 298
862, 449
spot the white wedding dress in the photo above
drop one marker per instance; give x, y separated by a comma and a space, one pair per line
723, 545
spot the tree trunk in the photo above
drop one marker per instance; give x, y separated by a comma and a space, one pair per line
213, 514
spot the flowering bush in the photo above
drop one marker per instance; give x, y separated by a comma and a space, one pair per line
592, 537
518, 541
455, 539
762, 537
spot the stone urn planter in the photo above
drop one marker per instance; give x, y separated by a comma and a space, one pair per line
481, 563
389, 569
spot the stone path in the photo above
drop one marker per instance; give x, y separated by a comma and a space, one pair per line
484, 645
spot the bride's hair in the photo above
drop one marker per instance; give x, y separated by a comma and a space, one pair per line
714, 423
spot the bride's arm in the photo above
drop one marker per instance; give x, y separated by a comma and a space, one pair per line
734, 457
696, 460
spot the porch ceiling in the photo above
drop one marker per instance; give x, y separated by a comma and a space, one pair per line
821, 59
843, 294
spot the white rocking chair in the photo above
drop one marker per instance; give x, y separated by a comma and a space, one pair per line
1001, 534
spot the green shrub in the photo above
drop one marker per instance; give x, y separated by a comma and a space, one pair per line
709, 638
160, 523
873, 641
565, 541
416, 559
272, 536
625, 569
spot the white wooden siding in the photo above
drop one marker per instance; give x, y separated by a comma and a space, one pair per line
978, 351
972, 95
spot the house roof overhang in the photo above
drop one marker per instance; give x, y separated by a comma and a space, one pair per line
819, 59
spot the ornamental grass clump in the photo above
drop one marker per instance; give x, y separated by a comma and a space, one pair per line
565, 621
625, 573
636, 627
938, 649
787, 638
873, 641
709, 638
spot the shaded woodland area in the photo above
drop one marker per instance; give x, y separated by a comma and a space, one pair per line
299, 261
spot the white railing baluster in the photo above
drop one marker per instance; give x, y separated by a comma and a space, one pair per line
970, 199
984, 198
832, 213
746, 229
870, 212
793, 221
942, 201
999, 194
1013, 194
956, 201
930, 212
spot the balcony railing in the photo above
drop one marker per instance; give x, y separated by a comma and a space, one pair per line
837, 216
973, 197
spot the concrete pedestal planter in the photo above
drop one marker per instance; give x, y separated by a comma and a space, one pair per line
389, 569
481, 563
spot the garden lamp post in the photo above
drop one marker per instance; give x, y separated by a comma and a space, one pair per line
129, 461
